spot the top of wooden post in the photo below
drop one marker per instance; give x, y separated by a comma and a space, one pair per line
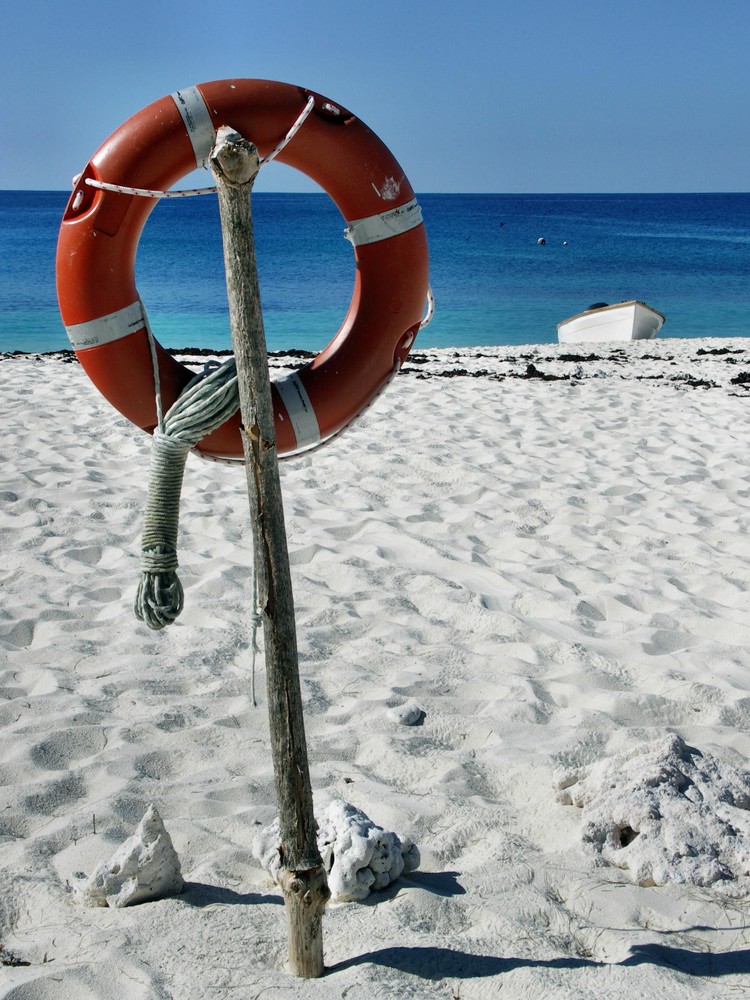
235, 158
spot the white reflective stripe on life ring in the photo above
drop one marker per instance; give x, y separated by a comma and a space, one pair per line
197, 121
382, 227
107, 329
300, 409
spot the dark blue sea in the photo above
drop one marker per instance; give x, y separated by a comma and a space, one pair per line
686, 255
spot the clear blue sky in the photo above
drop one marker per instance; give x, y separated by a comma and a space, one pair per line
479, 95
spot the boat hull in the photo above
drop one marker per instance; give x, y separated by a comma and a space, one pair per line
622, 322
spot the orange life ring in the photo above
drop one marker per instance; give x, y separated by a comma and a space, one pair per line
99, 234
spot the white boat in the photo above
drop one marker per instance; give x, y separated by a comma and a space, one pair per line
602, 323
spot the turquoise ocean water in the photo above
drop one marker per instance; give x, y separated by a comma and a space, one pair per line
686, 255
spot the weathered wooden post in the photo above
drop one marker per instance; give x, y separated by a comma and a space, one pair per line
235, 164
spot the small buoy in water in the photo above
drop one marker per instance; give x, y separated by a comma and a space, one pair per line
541, 241
565, 243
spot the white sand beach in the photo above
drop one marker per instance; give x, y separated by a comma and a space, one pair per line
547, 575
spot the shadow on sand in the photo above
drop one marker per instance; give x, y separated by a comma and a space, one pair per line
200, 894
444, 963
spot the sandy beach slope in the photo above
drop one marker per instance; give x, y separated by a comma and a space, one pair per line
545, 551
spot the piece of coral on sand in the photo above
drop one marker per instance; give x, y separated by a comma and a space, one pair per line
666, 812
145, 867
358, 855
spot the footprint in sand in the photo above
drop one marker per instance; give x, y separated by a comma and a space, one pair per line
103, 595
19, 635
159, 765
29, 807
55, 795
65, 747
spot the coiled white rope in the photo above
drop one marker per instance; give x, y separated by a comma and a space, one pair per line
208, 401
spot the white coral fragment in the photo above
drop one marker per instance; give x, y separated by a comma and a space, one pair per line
144, 867
665, 812
358, 855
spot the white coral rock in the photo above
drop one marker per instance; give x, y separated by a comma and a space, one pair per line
358, 855
144, 867
665, 812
